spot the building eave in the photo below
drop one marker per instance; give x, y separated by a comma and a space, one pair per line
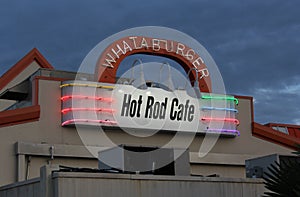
33, 55
19, 116
268, 134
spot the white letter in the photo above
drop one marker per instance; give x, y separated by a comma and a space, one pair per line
126, 46
155, 45
204, 73
133, 40
180, 47
144, 43
196, 63
109, 61
117, 52
190, 54
166, 45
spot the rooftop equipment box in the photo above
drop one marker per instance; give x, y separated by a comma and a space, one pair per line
256, 167
145, 160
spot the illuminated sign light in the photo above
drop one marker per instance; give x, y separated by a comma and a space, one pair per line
224, 131
87, 85
128, 45
73, 121
220, 109
88, 109
221, 98
64, 98
113, 54
233, 120
166, 110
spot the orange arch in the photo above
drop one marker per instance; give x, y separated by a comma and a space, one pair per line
112, 56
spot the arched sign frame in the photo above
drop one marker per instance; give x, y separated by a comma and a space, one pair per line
110, 59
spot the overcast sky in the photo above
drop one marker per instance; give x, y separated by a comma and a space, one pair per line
256, 44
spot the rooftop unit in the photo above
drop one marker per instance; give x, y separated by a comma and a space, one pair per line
256, 167
145, 160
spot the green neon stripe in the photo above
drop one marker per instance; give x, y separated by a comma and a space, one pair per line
221, 98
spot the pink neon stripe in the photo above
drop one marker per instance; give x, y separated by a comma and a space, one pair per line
88, 121
88, 109
236, 121
64, 98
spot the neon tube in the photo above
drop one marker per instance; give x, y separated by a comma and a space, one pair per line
220, 109
109, 122
86, 85
233, 120
64, 98
224, 131
88, 109
221, 98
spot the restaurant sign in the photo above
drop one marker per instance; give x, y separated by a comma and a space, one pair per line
125, 106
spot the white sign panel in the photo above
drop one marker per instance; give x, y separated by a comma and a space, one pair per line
152, 108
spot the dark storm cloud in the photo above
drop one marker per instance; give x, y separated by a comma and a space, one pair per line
256, 44
281, 102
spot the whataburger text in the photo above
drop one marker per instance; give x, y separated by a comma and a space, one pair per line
131, 44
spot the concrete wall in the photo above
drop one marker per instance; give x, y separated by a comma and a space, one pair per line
218, 170
30, 188
75, 184
98, 185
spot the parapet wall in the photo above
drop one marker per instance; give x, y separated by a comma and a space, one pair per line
77, 184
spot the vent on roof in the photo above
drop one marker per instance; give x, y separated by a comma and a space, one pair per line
281, 129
